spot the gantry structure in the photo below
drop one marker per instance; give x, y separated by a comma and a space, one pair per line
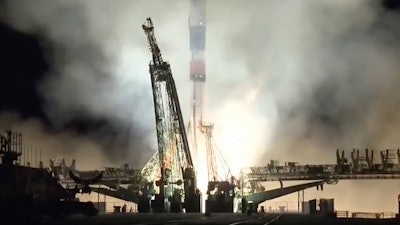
387, 166
128, 184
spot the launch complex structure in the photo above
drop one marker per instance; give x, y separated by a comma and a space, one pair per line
168, 182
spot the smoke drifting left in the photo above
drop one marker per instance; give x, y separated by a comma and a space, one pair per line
83, 74
23, 66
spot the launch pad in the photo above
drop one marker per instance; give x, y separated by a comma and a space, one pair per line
217, 218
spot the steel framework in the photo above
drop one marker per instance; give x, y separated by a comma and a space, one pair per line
175, 160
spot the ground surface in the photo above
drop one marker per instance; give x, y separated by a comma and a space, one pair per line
225, 218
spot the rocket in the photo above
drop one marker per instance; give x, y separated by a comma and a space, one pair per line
197, 30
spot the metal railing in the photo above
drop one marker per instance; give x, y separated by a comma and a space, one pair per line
365, 215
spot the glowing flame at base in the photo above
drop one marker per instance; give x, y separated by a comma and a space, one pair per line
202, 173
242, 131
241, 134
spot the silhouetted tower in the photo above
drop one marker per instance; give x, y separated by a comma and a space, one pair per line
10, 147
177, 180
197, 30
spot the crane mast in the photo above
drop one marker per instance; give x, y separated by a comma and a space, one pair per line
175, 160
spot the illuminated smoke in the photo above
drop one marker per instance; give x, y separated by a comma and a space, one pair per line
40, 145
325, 74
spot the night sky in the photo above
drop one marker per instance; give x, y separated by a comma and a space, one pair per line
24, 65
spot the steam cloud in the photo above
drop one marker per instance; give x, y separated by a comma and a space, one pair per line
284, 78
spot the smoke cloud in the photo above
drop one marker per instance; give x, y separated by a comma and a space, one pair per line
325, 73
99, 58
285, 79
41, 145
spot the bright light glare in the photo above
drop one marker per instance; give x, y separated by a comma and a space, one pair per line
242, 132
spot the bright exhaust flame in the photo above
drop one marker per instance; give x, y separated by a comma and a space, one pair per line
242, 132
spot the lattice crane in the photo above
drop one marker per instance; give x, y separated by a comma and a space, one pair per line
175, 160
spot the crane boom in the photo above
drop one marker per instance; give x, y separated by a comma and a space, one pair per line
175, 160
148, 28
161, 72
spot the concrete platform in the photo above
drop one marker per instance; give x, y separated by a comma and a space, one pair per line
220, 218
